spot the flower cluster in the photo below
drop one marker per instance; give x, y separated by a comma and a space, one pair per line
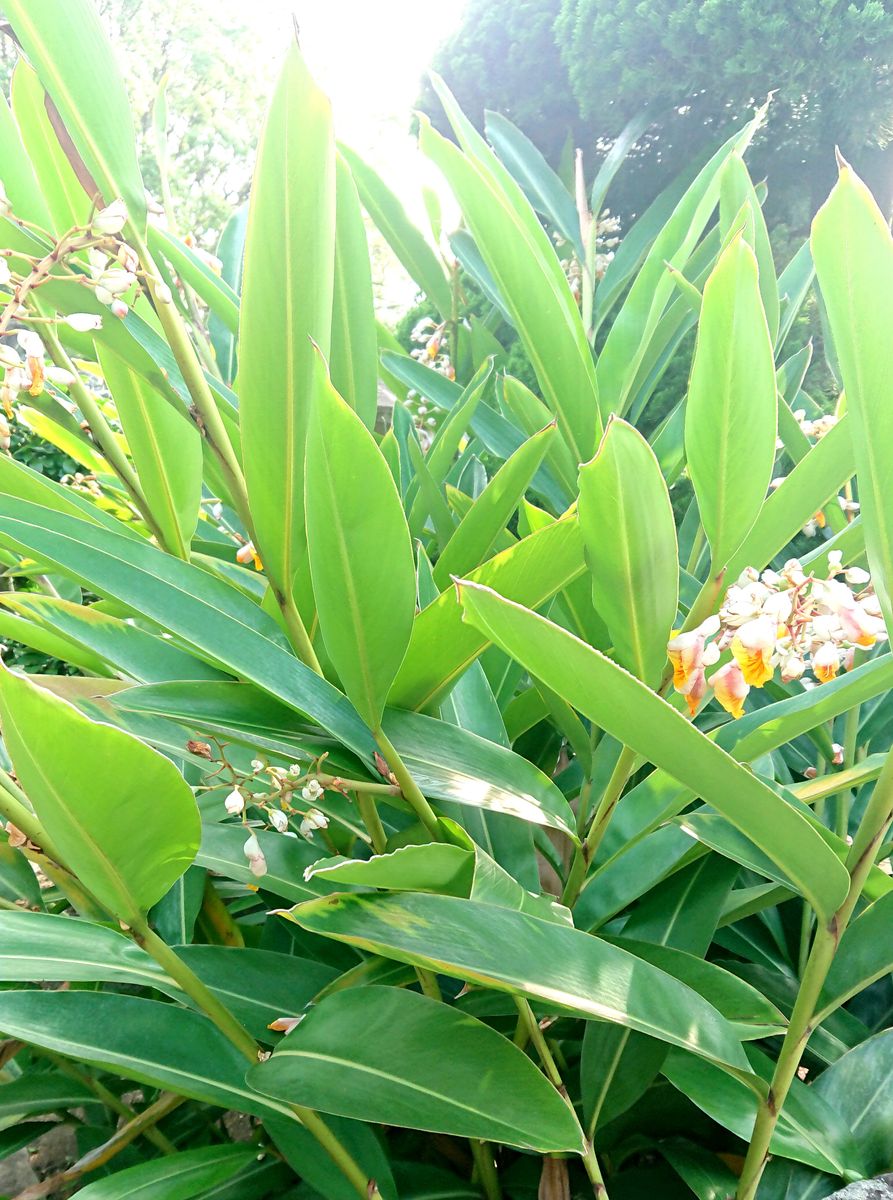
427, 337
285, 783
788, 621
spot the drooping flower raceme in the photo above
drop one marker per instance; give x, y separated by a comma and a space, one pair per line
788, 621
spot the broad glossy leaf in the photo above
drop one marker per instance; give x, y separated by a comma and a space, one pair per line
442, 647
174, 1177
398, 1058
435, 867
123, 817
730, 421
360, 551
354, 354
628, 710
20, 178
289, 255
410, 247
154, 1043
92, 103
521, 258
853, 253
515, 952
859, 1088
216, 619
630, 535
166, 452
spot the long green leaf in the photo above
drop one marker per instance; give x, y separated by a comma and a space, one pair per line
174, 1177
166, 452
627, 525
360, 551
510, 951
287, 291
153, 1043
629, 711
217, 620
525, 266
442, 647
354, 356
853, 253
59, 40
122, 815
397, 1058
730, 421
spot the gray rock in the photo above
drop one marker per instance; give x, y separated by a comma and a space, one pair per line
16, 1173
867, 1189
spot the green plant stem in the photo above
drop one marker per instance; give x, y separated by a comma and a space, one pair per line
587, 851
235, 1033
105, 438
527, 1020
482, 1153
843, 799
869, 837
408, 787
14, 807
167, 958
110, 1100
372, 821
297, 630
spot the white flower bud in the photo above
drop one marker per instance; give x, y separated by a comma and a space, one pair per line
8, 357
312, 790
856, 575
234, 803
252, 849
837, 760
119, 309
59, 376
114, 282
256, 765
83, 322
278, 820
163, 293
258, 865
127, 257
31, 343
110, 220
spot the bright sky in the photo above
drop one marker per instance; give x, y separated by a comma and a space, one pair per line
369, 56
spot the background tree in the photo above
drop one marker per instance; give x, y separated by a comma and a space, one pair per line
705, 64
504, 56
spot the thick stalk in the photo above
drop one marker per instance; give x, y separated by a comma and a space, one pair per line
372, 821
408, 787
234, 1032
842, 799
609, 801
482, 1153
869, 837
531, 1025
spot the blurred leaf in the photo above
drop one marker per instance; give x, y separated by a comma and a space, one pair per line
354, 356
174, 1177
